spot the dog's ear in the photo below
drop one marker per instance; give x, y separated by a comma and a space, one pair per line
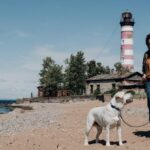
119, 96
119, 99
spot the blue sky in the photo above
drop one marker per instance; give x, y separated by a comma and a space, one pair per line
30, 30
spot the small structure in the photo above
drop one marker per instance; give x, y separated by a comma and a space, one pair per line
63, 93
59, 93
40, 91
106, 82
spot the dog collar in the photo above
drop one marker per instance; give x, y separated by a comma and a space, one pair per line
114, 107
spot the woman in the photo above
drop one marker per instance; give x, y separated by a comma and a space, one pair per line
146, 71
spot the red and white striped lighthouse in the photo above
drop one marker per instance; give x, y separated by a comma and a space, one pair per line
127, 23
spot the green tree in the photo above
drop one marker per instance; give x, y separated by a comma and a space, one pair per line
99, 68
107, 70
50, 76
91, 68
120, 69
94, 68
75, 73
102, 69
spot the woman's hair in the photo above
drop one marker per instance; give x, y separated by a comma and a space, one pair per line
147, 38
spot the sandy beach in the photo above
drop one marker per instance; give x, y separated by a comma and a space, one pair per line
53, 126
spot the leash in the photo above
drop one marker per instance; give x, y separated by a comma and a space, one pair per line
125, 121
133, 125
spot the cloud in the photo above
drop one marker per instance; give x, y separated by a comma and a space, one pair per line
50, 51
35, 59
105, 56
95, 52
22, 34
44, 51
2, 80
18, 84
22, 82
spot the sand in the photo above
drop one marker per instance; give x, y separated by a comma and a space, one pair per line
66, 131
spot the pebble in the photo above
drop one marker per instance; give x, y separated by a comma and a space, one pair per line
42, 116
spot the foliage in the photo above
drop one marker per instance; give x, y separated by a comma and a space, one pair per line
97, 92
76, 73
94, 68
112, 91
50, 76
131, 91
91, 68
120, 69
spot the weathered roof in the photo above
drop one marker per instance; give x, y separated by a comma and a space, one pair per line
135, 78
133, 75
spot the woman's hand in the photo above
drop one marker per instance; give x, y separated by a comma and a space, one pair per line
144, 77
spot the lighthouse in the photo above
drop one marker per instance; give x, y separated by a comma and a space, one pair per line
126, 57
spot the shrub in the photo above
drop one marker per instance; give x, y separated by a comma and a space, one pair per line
112, 92
97, 92
131, 91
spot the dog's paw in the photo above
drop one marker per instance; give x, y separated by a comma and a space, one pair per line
120, 144
86, 143
107, 144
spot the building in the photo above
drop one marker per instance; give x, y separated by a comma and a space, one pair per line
40, 91
58, 93
106, 82
126, 56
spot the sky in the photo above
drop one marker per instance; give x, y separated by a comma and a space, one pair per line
31, 30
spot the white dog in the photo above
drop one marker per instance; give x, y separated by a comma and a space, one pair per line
107, 117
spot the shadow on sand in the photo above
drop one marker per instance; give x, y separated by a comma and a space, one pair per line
142, 134
103, 142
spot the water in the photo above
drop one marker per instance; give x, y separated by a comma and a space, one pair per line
4, 108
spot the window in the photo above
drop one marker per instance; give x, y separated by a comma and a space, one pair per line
98, 87
91, 89
113, 85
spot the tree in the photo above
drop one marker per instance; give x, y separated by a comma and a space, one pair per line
91, 68
51, 76
107, 70
94, 68
120, 69
102, 69
75, 73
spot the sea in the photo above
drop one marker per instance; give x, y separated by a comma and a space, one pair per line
4, 105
